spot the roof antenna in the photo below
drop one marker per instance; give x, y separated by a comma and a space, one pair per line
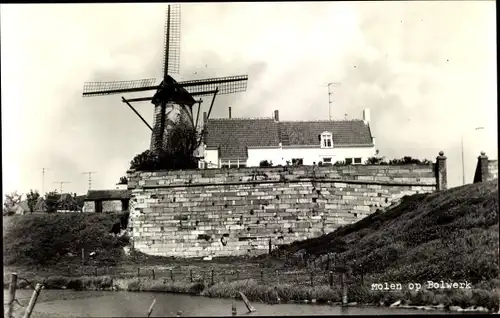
330, 101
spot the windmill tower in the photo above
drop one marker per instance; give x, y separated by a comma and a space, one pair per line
173, 101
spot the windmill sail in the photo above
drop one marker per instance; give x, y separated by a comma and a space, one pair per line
172, 40
117, 87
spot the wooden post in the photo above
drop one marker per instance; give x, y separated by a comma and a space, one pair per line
278, 276
83, 256
151, 307
331, 278
312, 279
153, 272
362, 275
191, 275
12, 294
328, 264
233, 309
270, 246
344, 288
247, 302
171, 275
138, 272
32, 302
212, 278
237, 275
262, 275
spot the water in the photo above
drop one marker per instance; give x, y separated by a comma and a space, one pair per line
68, 303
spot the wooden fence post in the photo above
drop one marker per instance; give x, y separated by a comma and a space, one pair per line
233, 309
171, 275
237, 275
328, 264
32, 302
12, 294
212, 277
278, 276
344, 288
153, 272
262, 275
83, 256
191, 275
312, 279
138, 272
331, 278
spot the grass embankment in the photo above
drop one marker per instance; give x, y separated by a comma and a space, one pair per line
450, 236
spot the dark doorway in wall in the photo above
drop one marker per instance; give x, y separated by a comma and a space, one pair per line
125, 205
98, 206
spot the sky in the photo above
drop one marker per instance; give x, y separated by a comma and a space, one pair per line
426, 70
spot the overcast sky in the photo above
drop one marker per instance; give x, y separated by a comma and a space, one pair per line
427, 71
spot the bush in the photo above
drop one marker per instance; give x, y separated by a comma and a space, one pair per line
265, 163
182, 142
48, 238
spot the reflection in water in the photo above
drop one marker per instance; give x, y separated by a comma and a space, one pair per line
66, 303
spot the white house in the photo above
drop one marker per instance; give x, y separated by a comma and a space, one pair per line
242, 142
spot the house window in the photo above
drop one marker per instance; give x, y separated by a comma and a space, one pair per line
327, 160
348, 161
357, 160
326, 140
233, 163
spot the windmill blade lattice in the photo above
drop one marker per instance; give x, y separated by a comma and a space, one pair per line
226, 85
116, 87
172, 40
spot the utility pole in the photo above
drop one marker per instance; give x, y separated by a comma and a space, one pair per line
61, 184
43, 180
90, 177
330, 101
463, 161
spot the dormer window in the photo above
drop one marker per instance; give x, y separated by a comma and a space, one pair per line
326, 140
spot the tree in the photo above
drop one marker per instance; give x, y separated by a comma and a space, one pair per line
11, 203
32, 198
51, 201
123, 180
182, 142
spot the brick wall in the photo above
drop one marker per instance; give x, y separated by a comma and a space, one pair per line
486, 169
218, 212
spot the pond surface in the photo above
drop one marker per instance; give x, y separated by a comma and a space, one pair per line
68, 303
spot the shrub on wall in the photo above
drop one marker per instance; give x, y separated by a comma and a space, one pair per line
265, 163
182, 142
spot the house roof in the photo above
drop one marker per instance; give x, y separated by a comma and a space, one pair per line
232, 136
93, 195
24, 205
40, 204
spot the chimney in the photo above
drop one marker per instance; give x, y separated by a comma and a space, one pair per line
204, 118
276, 116
366, 116
229, 112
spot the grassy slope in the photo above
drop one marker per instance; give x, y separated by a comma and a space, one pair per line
47, 239
449, 235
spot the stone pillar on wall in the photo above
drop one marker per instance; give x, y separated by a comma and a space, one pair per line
482, 172
441, 180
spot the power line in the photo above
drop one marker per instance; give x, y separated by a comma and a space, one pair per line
90, 177
61, 184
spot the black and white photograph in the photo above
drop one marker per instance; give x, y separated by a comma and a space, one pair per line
194, 159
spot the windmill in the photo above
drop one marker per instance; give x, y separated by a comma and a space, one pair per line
173, 101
